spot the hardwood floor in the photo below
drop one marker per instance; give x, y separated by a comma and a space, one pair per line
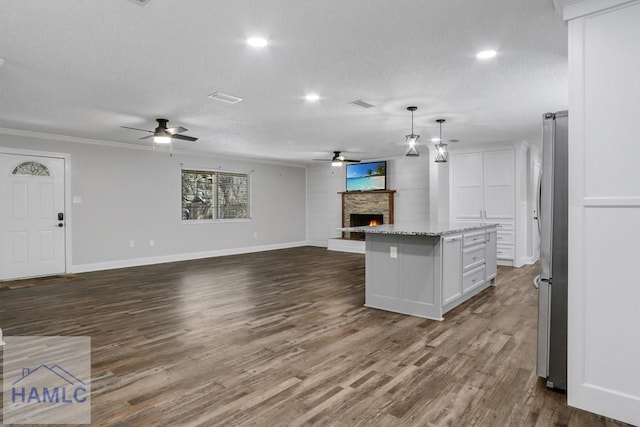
281, 338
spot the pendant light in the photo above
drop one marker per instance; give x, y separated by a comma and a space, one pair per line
412, 139
441, 148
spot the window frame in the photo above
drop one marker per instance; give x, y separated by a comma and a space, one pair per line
215, 172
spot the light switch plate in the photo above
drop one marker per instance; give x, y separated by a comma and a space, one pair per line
393, 252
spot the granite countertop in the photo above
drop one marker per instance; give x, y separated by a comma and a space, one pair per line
420, 229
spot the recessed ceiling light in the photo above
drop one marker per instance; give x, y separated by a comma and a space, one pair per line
312, 97
141, 2
486, 54
257, 42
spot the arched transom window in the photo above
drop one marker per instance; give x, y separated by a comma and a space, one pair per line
31, 168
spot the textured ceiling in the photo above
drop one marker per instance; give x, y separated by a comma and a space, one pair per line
85, 68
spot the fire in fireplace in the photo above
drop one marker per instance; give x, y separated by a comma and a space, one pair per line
359, 220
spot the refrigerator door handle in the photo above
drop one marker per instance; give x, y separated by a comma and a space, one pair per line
536, 215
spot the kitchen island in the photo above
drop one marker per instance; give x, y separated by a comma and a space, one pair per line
427, 269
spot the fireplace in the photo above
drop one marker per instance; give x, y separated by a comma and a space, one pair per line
360, 207
359, 220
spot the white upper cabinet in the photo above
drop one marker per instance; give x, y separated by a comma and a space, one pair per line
483, 185
467, 182
498, 188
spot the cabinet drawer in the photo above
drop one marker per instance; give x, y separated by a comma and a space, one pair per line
470, 239
505, 252
505, 237
473, 257
504, 226
473, 278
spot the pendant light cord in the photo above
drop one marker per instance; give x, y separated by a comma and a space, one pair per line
411, 122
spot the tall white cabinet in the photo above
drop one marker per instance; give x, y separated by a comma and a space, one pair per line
604, 207
485, 187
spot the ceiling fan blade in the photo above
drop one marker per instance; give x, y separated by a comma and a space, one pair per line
351, 161
177, 129
141, 130
147, 137
322, 160
184, 137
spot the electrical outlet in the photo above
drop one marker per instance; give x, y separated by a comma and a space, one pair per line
393, 252
255, 234
132, 243
152, 243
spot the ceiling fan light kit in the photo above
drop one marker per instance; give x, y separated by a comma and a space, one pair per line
161, 139
161, 135
442, 155
164, 135
337, 160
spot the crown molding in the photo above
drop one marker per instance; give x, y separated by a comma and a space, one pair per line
128, 146
573, 9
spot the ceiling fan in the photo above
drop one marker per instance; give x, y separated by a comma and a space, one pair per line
337, 159
162, 134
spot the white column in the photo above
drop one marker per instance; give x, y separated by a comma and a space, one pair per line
438, 189
604, 207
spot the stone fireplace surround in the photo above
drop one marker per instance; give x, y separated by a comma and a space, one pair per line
378, 202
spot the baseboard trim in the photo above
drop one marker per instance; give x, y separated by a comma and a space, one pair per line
342, 245
137, 262
318, 243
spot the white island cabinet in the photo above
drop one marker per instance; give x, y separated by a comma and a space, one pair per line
427, 269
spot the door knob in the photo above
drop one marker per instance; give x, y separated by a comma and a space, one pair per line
60, 224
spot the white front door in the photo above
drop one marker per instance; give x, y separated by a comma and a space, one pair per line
32, 217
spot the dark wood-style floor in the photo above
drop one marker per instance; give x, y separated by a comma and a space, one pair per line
282, 338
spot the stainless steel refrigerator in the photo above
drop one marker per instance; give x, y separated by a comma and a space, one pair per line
553, 223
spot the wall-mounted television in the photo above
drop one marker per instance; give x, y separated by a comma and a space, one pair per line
367, 176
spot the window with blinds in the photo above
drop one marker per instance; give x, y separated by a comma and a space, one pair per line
208, 195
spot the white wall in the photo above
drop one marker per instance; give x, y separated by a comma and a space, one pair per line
324, 210
604, 208
409, 176
133, 194
439, 189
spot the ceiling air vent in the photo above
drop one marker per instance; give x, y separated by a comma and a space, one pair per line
230, 99
361, 103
